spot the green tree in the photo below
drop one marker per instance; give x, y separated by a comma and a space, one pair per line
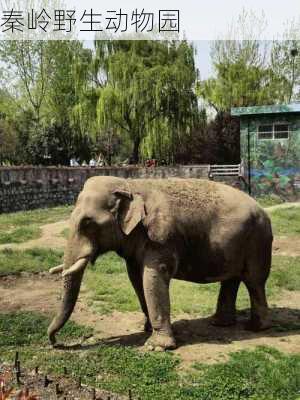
8, 142
61, 130
143, 88
40, 96
243, 76
27, 71
62, 95
243, 72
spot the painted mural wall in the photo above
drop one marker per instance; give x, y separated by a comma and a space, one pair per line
275, 163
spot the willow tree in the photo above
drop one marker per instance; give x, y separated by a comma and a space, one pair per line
146, 90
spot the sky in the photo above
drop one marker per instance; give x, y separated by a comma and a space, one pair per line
202, 58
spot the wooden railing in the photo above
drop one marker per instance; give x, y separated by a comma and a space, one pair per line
225, 170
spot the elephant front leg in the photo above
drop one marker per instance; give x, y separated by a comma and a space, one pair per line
156, 279
136, 279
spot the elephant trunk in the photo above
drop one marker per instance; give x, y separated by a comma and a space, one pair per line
71, 289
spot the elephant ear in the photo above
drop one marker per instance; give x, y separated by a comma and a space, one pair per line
131, 210
159, 221
155, 214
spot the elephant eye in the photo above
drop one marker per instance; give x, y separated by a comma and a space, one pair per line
86, 222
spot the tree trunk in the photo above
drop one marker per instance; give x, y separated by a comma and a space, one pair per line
134, 159
109, 157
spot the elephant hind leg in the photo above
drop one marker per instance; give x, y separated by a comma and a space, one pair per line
259, 319
226, 312
255, 275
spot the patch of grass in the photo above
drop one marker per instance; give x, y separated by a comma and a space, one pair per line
20, 235
200, 299
286, 221
268, 201
27, 328
39, 216
108, 288
29, 260
24, 225
264, 373
286, 272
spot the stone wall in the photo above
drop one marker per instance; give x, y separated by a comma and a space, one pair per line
25, 188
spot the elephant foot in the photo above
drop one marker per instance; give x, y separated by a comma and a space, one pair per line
52, 339
159, 341
258, 324
223, 320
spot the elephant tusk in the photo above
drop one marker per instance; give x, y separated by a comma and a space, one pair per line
76, 267
56, 270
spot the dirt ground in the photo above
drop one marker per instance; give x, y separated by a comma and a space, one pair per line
51, 236
285, 246
197, 339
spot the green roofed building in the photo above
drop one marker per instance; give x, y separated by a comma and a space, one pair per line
270, 149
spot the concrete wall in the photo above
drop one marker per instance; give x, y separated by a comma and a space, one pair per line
25, 188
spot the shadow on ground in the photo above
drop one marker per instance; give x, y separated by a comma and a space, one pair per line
285, 321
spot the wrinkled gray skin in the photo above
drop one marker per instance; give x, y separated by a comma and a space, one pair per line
189, 229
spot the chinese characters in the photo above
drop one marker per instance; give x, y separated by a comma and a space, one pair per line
89, 20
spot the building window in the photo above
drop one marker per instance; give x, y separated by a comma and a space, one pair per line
273, 131
265, 132
281, 131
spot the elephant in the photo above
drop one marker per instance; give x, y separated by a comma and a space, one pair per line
195, 230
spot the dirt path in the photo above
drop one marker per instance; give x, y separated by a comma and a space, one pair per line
197, 339
282, 206
51, 237
287, 246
